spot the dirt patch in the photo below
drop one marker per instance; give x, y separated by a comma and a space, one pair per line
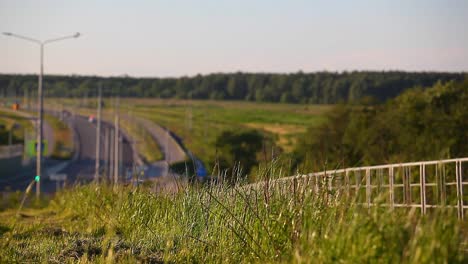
155, 258
80, 247
53, 231
285, 133
278, 129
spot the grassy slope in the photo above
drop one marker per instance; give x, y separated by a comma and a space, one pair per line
145, 143
63, 138
220, 224
8, 119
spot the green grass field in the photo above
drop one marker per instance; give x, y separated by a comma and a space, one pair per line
218, 224
198, 123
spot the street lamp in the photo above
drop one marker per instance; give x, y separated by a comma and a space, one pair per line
40, 99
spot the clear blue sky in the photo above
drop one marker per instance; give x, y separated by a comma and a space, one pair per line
175, 37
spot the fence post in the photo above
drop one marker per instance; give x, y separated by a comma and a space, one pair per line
443, 191
390, 182
422, 182
458, 174
405, 191
368, 187
357, 174
380, 182
407, 184
317, 188
460, 166
347, 183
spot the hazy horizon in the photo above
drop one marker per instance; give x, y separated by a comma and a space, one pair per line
232, 72
182, 38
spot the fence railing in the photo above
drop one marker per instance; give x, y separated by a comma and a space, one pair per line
424, 184
11, 151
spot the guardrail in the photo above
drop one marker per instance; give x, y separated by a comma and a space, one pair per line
11, 151
424, 184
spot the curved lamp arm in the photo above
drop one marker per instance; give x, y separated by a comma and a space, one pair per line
76, 35
22, 37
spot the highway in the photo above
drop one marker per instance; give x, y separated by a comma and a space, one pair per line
171, 149
171, 146
81, 168
20, 180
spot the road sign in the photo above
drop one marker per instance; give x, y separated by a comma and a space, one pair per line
31, 147
58, 177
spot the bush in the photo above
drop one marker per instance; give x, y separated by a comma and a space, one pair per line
238, 150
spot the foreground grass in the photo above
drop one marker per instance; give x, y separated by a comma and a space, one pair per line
287, 223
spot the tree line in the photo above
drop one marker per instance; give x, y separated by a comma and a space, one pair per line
420, 124
317, 88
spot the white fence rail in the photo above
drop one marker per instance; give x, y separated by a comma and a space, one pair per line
424, 185
11, 151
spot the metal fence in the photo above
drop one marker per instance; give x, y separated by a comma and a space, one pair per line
11, 151
424, 185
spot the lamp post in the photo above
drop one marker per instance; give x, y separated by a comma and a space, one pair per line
40, 99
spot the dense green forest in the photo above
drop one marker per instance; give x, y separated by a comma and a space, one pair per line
420, 124
320, 87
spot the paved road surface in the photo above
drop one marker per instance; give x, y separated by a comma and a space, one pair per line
48, 134
84, 166
81, 168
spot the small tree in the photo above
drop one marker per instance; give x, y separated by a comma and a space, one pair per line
238, 148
